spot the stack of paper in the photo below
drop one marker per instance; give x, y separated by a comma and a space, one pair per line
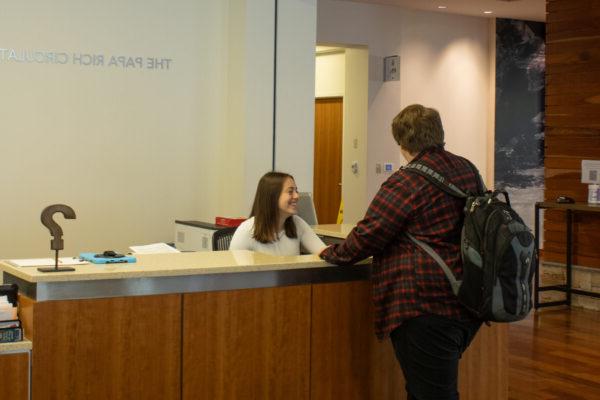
39, 262
7, 310
154, 248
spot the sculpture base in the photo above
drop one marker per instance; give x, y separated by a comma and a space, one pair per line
54, 269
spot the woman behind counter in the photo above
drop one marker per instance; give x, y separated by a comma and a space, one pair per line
273, 226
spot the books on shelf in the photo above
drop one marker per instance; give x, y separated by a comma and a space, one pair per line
11, 331
14, 334
13, 323
10, 325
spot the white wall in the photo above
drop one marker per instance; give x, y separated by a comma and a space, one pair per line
133, 149
443, 64
344, 73
245, 151
354, 185
330, 74
295, 109
125, 147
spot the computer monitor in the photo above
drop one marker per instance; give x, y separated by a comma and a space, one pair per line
306, 208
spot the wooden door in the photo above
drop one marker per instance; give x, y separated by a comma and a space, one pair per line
328, 159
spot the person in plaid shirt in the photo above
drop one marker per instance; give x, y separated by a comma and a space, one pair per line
414, 303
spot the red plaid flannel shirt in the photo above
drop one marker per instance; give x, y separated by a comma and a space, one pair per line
407, 282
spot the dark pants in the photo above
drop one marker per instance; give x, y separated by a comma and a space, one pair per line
428, 349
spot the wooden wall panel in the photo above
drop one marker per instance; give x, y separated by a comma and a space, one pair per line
300, 342
565, 30
342, 333
578, 259
483, 373
585, 241
557, 162
343, 339
26, 315
572, 98
566, 56
119, 348
14, 376
572, 120
387, 381
247, 344
575, 12
572, 143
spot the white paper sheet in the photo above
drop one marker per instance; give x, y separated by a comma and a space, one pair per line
40, 262
154, 248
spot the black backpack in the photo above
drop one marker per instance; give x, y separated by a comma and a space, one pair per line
497, 251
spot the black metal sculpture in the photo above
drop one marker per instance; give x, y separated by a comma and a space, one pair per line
56, 232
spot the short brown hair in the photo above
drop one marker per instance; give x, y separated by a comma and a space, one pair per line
265, 209
417, 128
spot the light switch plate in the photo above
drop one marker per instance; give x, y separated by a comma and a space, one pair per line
391, 68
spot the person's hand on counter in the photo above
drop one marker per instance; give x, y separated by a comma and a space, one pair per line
323, 251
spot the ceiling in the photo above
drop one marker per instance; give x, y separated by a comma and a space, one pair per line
529, 10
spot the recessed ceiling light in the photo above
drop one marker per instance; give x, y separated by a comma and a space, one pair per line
488, 12
442, 7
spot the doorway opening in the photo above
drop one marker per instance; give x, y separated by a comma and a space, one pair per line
340, 152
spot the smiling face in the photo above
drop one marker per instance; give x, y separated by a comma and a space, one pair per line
275, 201
288, 199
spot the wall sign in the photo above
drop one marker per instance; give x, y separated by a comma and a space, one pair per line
129, 62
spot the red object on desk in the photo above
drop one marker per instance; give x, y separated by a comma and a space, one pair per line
230, 222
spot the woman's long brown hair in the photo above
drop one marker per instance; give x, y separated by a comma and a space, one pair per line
265, 209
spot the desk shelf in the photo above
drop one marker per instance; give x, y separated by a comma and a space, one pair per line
567, 288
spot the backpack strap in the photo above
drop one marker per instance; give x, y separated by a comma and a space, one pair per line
480, 183
442, 182
454, 283
436, 179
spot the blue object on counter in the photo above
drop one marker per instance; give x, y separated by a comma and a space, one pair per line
99, 259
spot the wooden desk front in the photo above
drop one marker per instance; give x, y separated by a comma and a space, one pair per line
310, 339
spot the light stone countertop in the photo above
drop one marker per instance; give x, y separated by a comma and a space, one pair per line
172, 264
333, 230
15, 347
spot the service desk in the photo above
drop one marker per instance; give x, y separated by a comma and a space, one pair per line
333, 233
339, 231
220, 325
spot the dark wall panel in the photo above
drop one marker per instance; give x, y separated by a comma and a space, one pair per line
519, 133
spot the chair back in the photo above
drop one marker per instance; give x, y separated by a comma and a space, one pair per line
306, 208
222, 238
